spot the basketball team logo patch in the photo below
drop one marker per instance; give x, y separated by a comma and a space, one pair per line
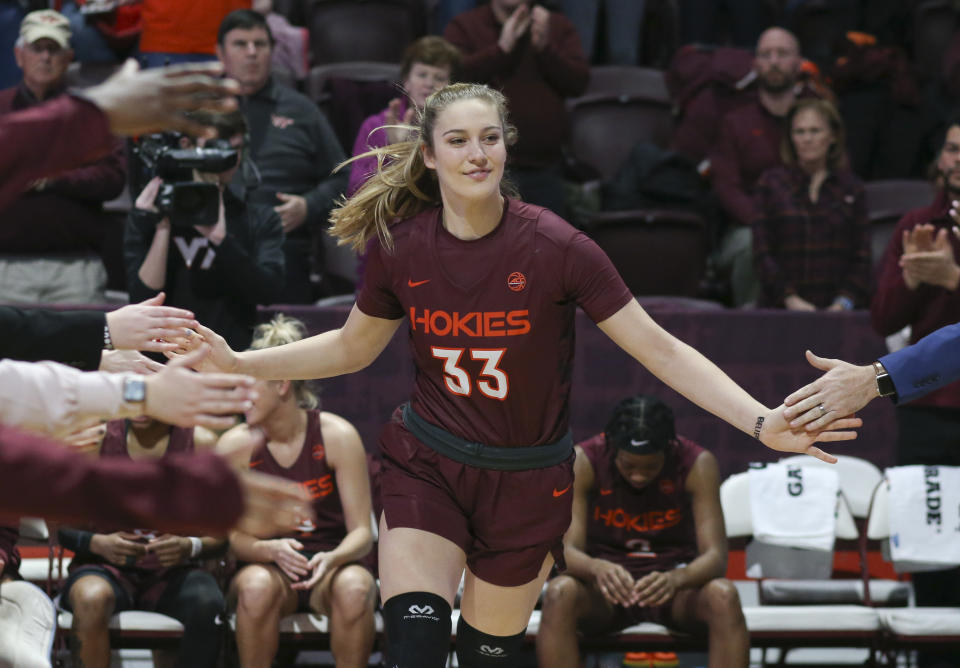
318, 451
516, 281
667, 487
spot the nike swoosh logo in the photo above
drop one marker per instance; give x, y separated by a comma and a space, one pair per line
562, 491
638, 444
606, 492
413, 284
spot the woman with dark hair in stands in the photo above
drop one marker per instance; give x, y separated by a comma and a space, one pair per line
478, 467
428, 65
811, 242
316, 568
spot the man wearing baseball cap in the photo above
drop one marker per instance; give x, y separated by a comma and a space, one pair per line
646, 543
53, 235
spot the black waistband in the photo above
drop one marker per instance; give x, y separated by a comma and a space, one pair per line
486, 456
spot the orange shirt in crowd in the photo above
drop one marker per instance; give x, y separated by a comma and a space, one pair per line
184, 26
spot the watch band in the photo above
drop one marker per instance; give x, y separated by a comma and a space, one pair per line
107, 341
885, 386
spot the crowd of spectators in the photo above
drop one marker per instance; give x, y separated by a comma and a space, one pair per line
733, 85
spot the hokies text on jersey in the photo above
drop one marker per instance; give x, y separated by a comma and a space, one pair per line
471, 323
652, 520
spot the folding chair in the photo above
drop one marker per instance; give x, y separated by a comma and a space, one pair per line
791, 626
858, 481
911, 627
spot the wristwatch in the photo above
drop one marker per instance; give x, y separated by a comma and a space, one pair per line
885, 386
134, 390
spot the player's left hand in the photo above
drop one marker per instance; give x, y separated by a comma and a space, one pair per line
654, 589
320, 565
170, 550
776, 434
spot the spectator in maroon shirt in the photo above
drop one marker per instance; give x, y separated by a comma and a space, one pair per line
811, 238
52, 235
917, 285
747, 144
534, 57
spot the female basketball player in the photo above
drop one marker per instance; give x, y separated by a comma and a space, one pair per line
314, 569
479, 465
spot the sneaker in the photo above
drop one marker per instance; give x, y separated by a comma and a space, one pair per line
638, 660
664, 660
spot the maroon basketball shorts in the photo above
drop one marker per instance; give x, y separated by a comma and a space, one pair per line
133, 588
505, 521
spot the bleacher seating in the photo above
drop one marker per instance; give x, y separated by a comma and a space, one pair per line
350, 92
349, 30
934, 24
604, 125
657, 252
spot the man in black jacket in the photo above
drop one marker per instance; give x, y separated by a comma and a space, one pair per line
293, 147
219, 271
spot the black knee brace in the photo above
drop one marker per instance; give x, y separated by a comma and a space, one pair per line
476, 649
417, 629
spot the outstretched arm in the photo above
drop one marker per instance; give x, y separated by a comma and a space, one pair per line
694, 376
338, 351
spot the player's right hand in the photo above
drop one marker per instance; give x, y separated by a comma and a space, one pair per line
288, 558
117, 548
613, 581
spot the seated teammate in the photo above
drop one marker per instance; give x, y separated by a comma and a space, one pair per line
127, 568
646, 542
315, 569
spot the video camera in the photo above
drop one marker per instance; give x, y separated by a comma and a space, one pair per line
182, 199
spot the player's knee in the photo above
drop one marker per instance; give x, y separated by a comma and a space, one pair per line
258, 591
354, 592
722, 600
560, 597
417, 626
476, 649
92, 600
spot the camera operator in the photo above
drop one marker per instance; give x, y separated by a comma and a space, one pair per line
209, 251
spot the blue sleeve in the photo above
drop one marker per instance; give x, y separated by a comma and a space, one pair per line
929, 364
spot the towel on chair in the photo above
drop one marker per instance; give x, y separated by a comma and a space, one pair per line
924, 517
794, 506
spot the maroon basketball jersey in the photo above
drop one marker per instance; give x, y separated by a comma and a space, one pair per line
115, 445
318, 480
649, 529
493, 345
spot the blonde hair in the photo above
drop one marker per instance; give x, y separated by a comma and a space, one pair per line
279, 331
403, 186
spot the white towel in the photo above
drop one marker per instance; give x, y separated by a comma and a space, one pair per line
794, 506
924, 515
